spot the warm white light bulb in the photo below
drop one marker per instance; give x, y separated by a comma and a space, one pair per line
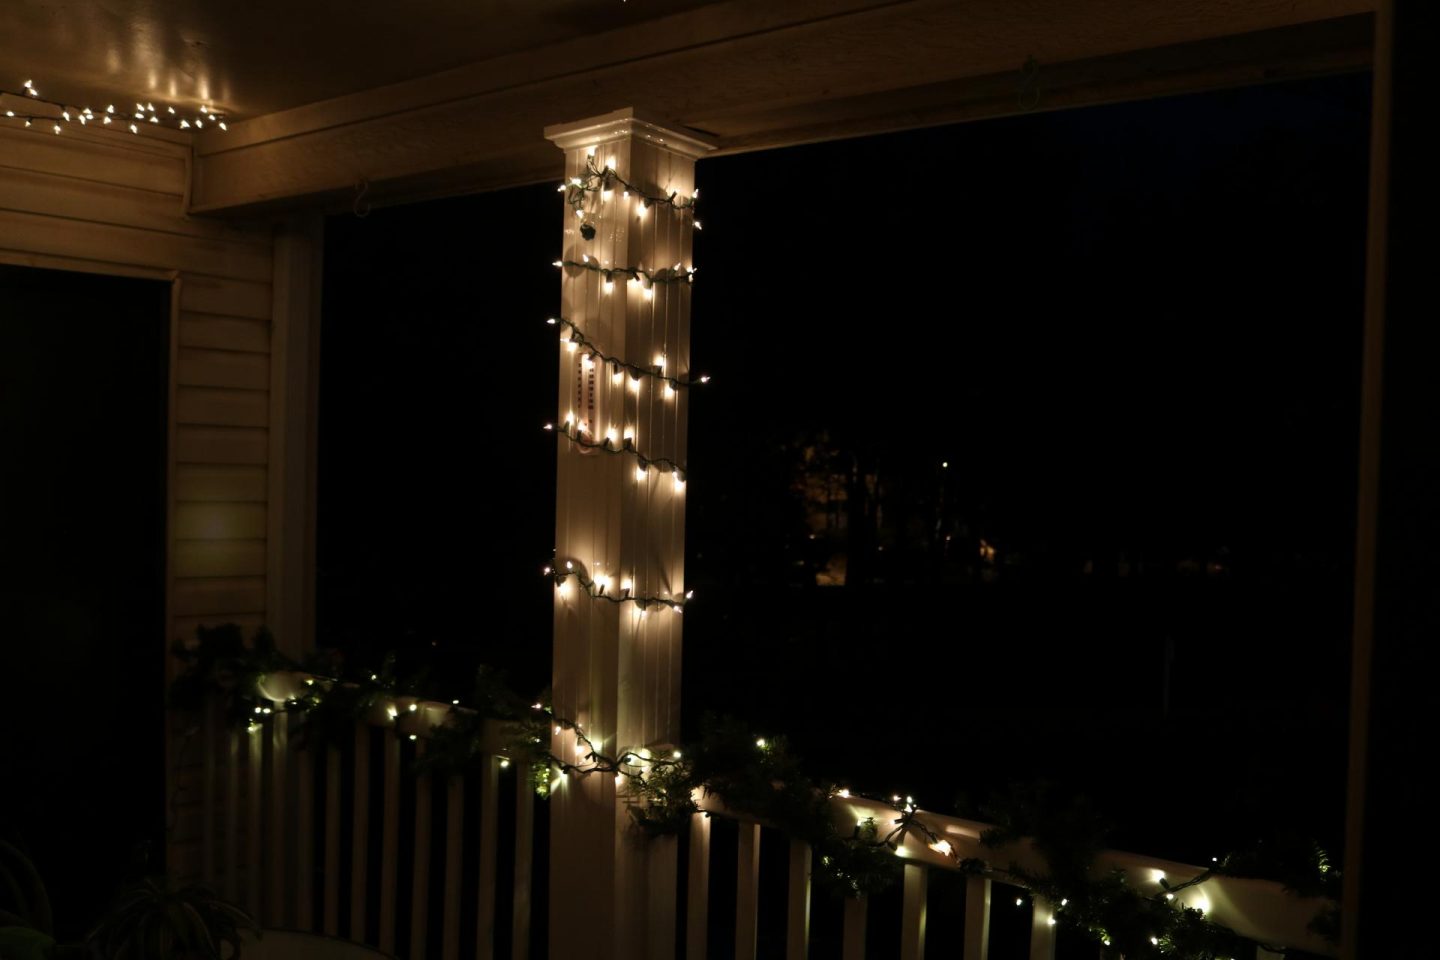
679, 482
640, 209
640, 474
634, 384
610, 163
760, 743
669, 391
630, 433
608, 286
626, 585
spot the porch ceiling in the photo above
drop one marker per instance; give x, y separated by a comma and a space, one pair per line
250, 57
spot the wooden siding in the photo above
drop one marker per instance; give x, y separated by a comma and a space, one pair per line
106, 203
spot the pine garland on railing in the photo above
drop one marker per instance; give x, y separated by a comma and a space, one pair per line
758, 779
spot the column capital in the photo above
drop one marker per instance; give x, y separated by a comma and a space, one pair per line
632, 123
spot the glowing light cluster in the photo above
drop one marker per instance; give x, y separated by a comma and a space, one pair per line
58, 114
601, 587
575, 339
578, 432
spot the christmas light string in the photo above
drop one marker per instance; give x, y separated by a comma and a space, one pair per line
755, 777
675, 274
109, 118
600, 587
657, 371
572, 432
603, 181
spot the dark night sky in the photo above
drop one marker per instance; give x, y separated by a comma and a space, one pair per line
1130, 328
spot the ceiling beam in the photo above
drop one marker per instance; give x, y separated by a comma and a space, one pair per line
752, 76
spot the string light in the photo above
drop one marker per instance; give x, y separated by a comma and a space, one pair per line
570, 430
605, 181
675, 274
598, 589
617, 365
61, 113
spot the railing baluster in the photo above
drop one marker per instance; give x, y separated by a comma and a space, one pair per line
207, 790
747, 891
853, 941
279, 729
797, 916
1042, 931
255, 756
489, 839
912, 916
977, 918
332, 841
420, 875
232, 816
524, 851
454, 847
389, 842
697, 905
360, 834
305, 839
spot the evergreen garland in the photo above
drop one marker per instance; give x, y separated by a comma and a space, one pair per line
762, 780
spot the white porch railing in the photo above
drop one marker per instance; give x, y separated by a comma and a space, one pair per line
1258, 909
345, 841
350, 842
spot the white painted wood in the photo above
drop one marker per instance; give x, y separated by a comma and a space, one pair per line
663, 890
759, 75
390, 842
159, 169
331, 894
293, 403
420, 863
217, 445
489, 846
210, 367
278, 852
219, 521
524, 853
208, 788
305, 839
238, 335
616, 672
453, 847
853, 936
254, 803
231, 889
697, 902
103, 242
1042, 931
912, 912
797, 907
217, 483
747, 891
977, 918
219, 596
360, 834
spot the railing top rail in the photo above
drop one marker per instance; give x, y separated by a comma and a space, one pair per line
1262, 910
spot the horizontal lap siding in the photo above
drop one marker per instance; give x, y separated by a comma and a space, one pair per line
106, 203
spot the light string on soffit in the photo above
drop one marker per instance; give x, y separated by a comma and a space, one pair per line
61, 114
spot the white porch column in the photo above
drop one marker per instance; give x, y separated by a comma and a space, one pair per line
620, 522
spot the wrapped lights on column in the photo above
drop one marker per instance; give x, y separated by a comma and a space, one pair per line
619, 366
598, 587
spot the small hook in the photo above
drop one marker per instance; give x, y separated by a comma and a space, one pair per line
1029, 95
360, 207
